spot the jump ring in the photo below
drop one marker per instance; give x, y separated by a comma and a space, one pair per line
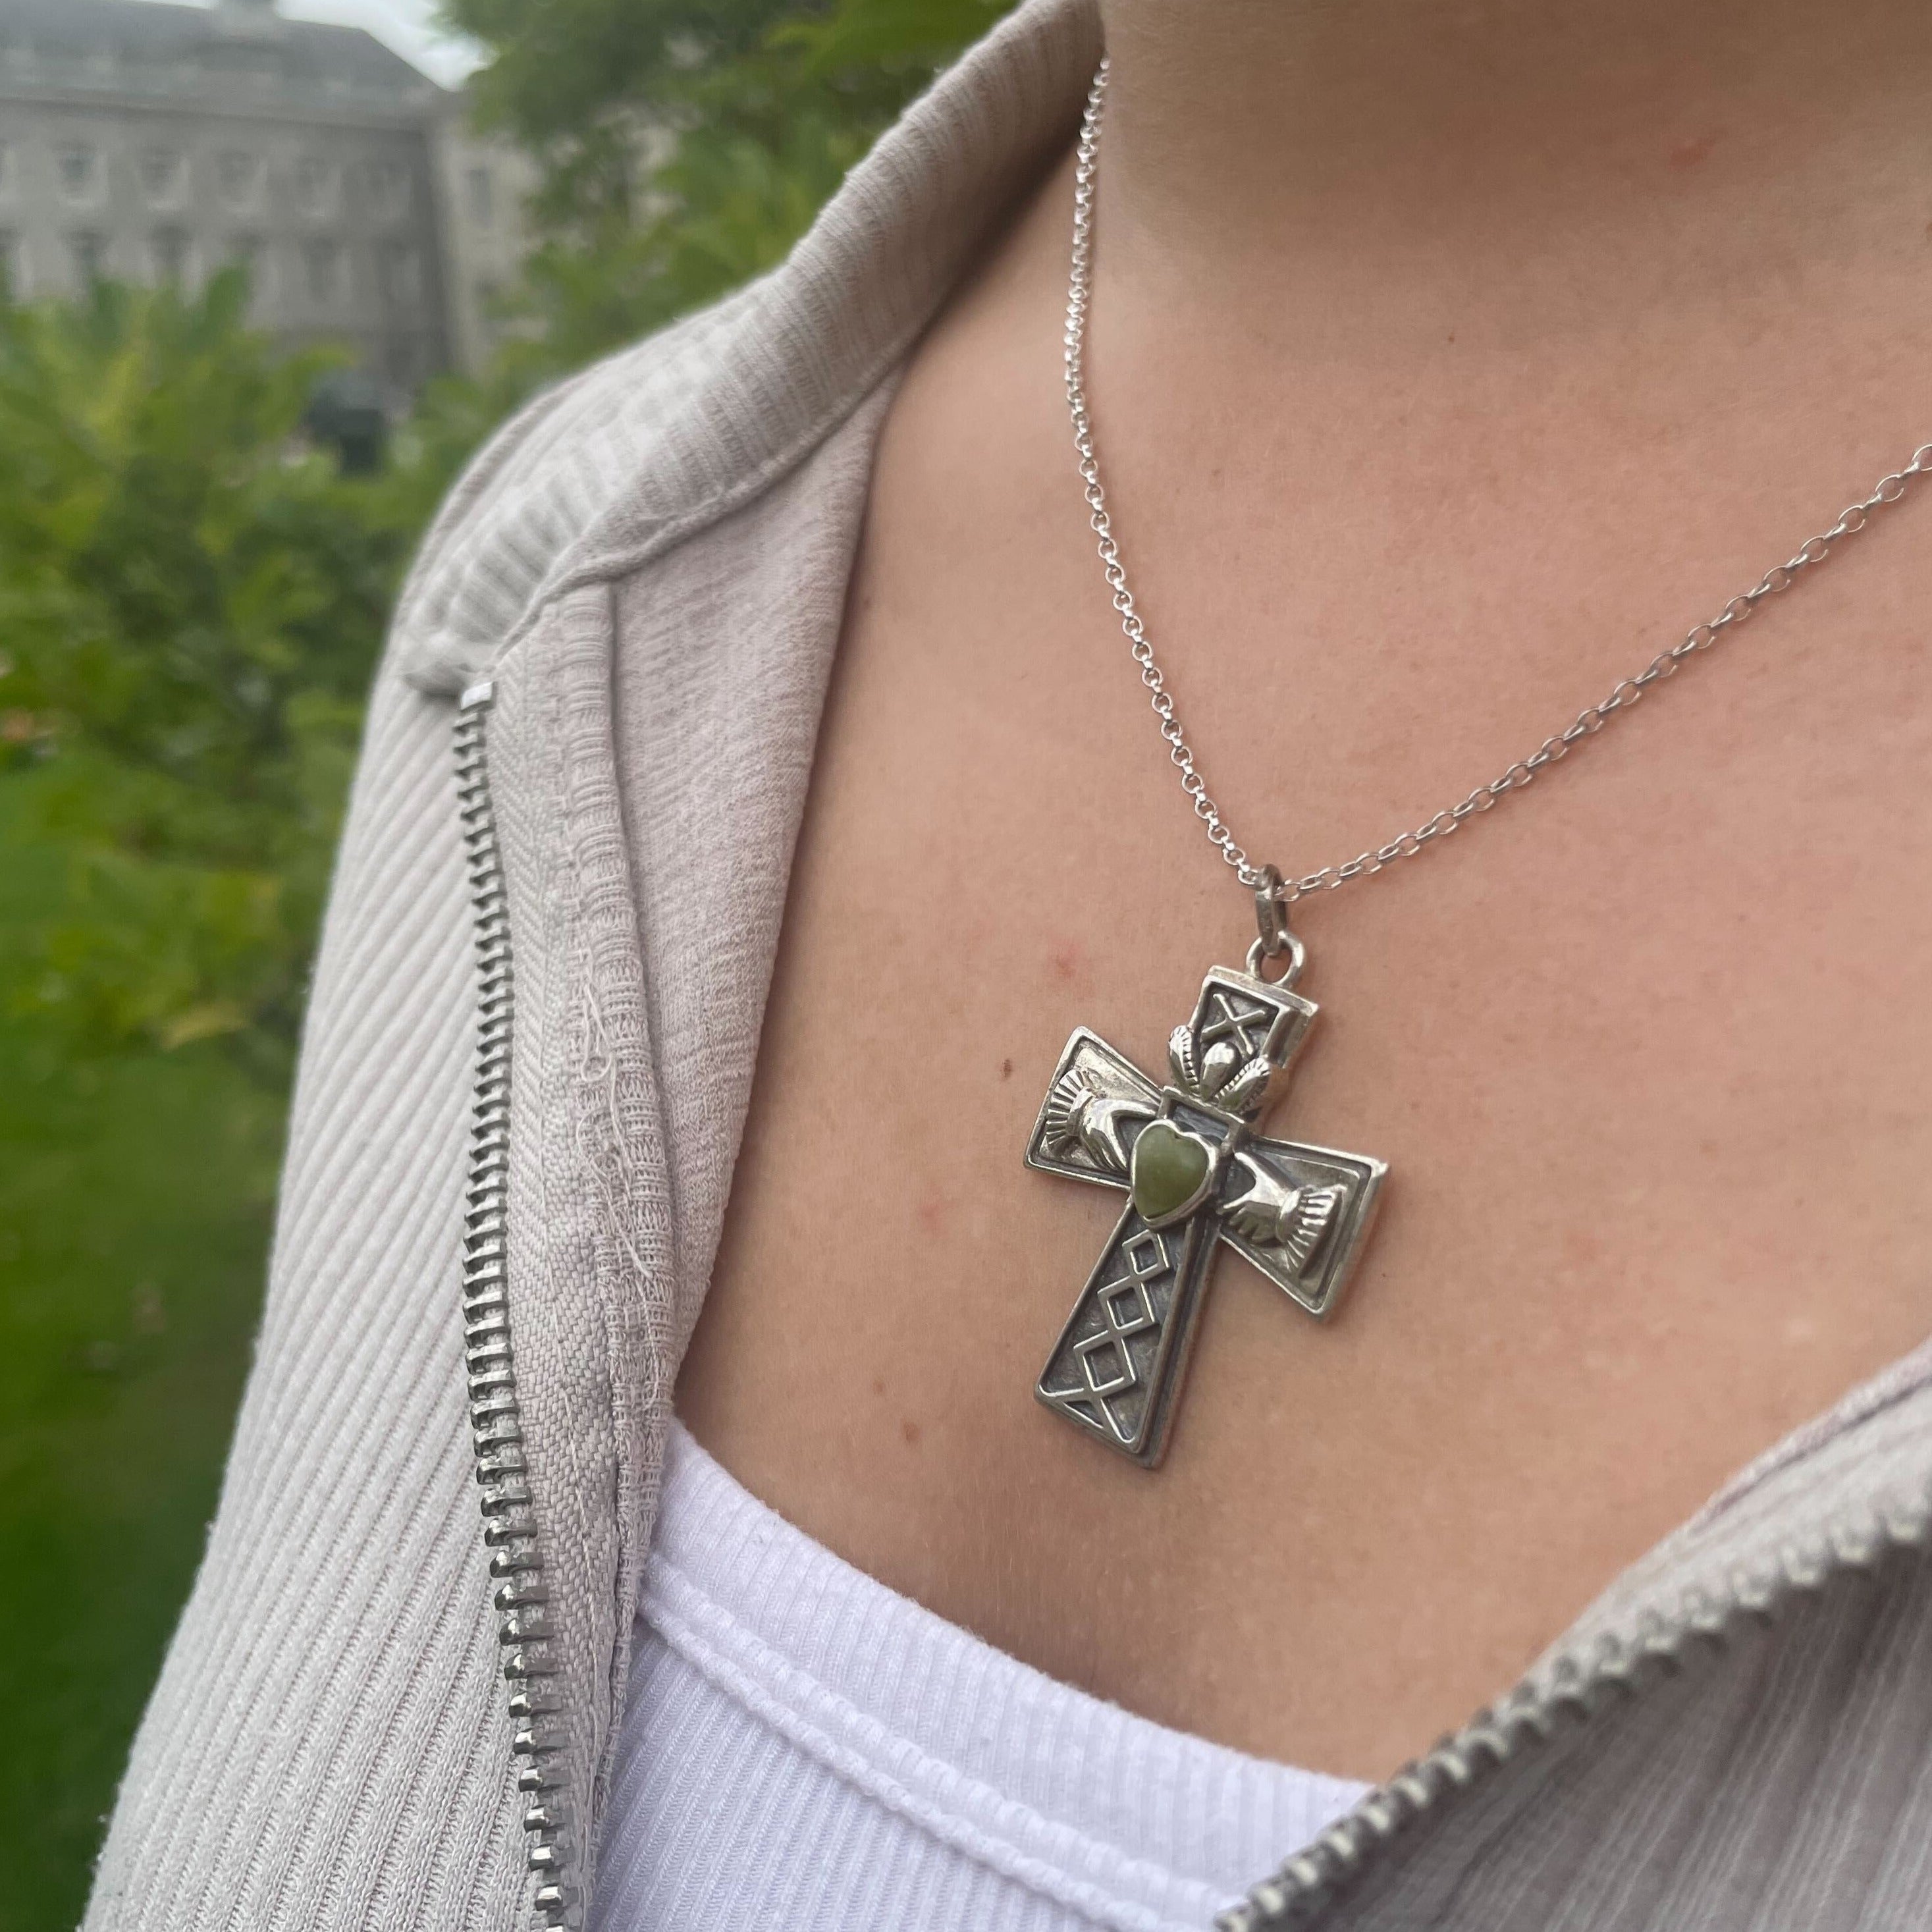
1298, 958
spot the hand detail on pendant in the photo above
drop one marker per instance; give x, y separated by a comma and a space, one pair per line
1276, 1216
1084, 1111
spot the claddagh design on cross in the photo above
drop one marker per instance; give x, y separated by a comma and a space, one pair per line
1196, 1174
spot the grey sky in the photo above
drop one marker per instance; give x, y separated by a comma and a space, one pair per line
405, 24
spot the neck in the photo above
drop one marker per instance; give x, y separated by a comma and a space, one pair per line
1606, 151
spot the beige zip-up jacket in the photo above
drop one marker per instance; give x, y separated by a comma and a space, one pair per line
503, 1195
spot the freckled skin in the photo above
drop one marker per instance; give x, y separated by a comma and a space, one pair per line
1483, 374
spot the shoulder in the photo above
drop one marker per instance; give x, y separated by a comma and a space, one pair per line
616, 439
596, 476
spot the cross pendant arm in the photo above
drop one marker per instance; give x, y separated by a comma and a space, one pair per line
1304, 1217
1098, 1099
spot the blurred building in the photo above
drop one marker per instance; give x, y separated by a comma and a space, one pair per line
151, 142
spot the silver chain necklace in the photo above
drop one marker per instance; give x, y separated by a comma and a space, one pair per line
1195, 1172
1586, 724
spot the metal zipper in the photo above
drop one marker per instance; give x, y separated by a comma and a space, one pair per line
521, 1593
1302, 1890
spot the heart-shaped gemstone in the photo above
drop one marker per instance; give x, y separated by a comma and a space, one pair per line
1172, 1169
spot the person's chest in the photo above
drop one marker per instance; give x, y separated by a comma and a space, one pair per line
1645, 1051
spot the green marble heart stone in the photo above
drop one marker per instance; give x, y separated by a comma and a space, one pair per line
1171, 1169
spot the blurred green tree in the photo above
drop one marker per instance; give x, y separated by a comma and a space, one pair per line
685, 146
191, 602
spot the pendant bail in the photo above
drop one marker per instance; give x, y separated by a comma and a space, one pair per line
1271, 921
1270, 914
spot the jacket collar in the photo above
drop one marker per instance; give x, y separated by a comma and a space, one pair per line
594, 477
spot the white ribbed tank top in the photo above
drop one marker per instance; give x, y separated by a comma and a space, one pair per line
805, 1749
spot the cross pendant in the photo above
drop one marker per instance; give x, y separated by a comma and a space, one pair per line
1196, 1174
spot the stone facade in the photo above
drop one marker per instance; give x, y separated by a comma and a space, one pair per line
150, 141
483, 188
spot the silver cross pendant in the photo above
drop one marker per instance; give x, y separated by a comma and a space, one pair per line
1196, 1174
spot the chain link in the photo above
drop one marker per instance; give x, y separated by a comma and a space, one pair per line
1408, 844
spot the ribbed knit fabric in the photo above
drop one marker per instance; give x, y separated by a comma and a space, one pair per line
805, 1748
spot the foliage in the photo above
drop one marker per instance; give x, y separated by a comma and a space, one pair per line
191, 605
568, 77
134, 1198
686, 147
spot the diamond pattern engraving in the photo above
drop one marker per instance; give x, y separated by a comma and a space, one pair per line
1103, 1374
1146, 1259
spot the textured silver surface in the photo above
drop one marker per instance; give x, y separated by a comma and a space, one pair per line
1299, 1213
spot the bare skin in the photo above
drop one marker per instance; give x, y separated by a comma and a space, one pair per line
1448, 360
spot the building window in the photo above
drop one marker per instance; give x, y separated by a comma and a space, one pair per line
164, 177
170, 252
322, 267
402, 273
315, 184
482, 192
389, 189
250, 253
239, 176
78, 169
6, 170
89, 251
